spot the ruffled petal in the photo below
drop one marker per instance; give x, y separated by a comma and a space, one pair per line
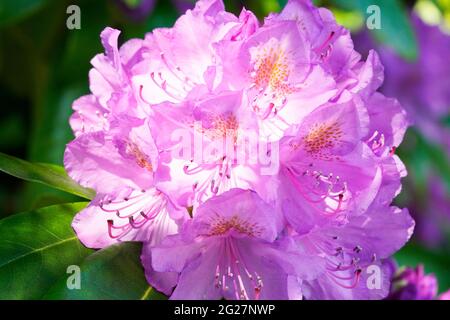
108, 163
161, 281
129, 216
89, 116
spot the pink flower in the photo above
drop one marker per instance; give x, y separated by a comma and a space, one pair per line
213, 130
278, 71
228, 250
353, 251
119, 164
181, 62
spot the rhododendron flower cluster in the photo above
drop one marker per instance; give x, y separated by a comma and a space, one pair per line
253, 160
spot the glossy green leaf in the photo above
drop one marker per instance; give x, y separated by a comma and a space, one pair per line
396, 30
112, 273
36, 249
12, 10
49, 174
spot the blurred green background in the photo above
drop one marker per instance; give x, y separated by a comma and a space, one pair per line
44, 67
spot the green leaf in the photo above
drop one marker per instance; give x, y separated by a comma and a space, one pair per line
48, 174
13, 10
112, 273
396, 30
36, 249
